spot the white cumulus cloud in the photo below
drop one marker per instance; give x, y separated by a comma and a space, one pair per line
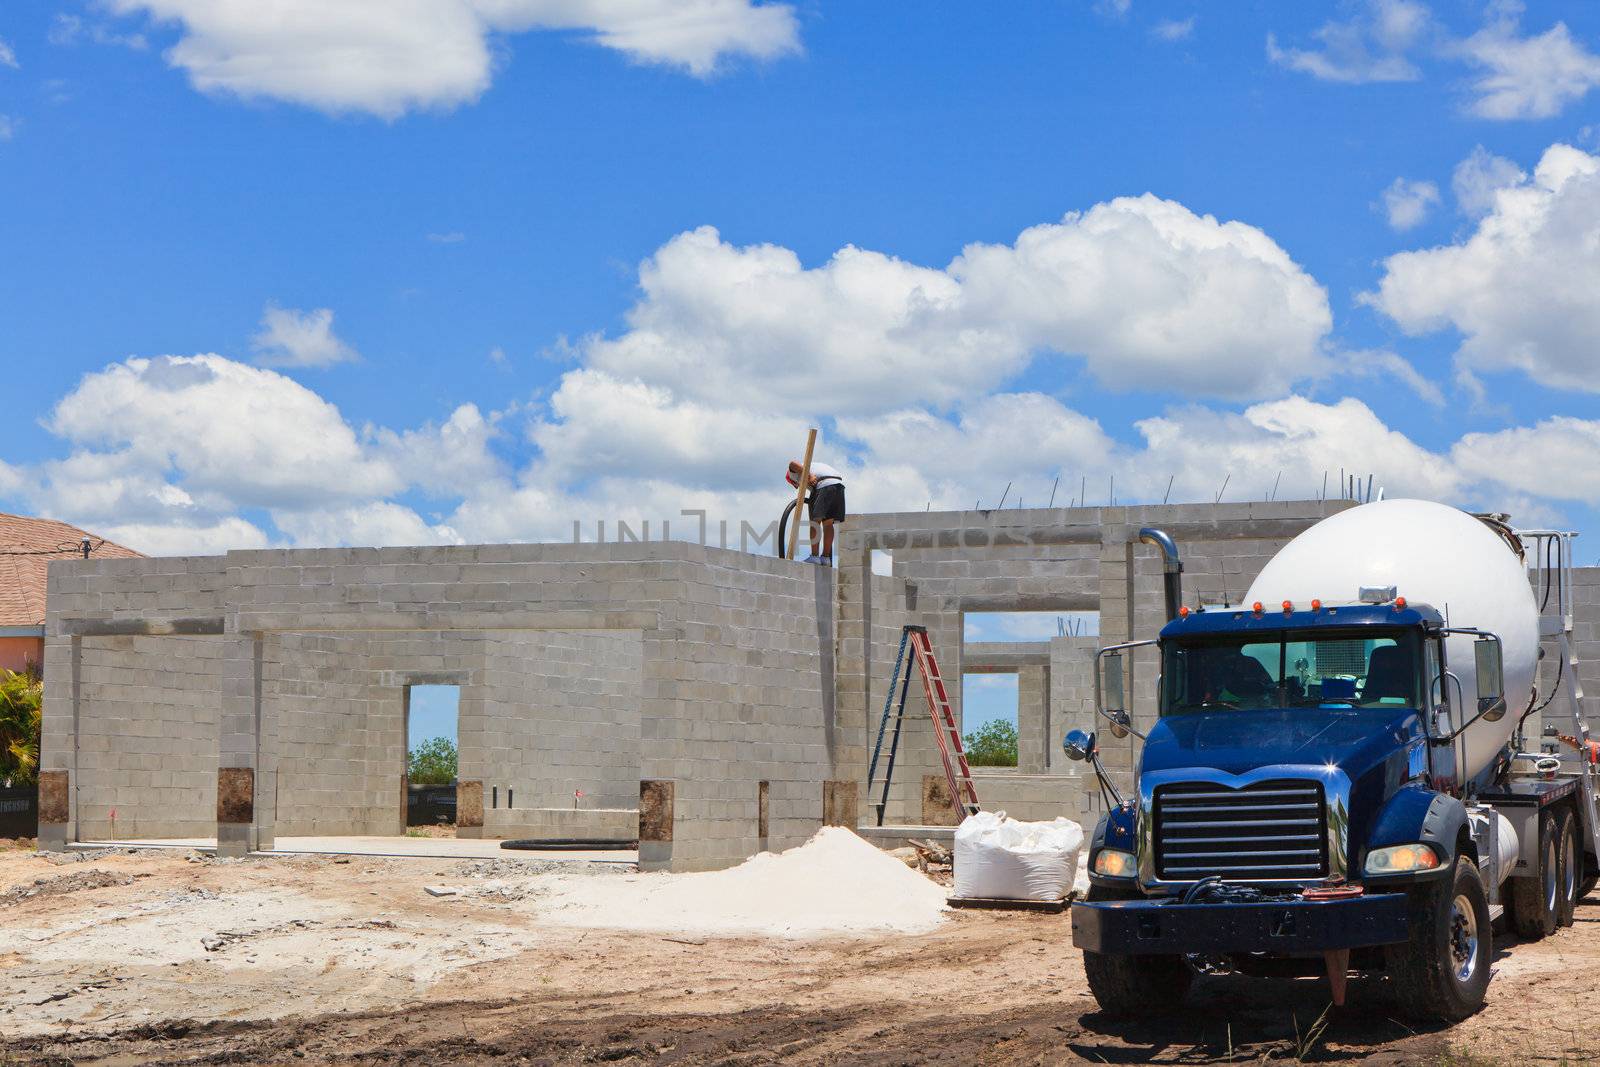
291, 338
1521, 288
1528, 77
1406, 202
227, 434
1554, 458
1479, 178
387, 57
1147, 293
8, 55
1372, 47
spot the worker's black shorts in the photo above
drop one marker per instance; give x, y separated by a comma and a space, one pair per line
827, 502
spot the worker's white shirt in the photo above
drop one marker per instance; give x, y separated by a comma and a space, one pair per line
822, 472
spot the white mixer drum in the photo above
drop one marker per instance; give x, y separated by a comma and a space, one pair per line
1432, 554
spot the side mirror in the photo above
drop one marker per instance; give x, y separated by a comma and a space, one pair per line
1078, 745
1486, 662
1112, 699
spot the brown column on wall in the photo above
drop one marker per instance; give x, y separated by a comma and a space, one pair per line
655, 822
841, 804
469, 809
236, 802
937, 807
55, 809
761, 815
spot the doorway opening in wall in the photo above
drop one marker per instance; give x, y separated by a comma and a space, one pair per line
989, 709
433, 714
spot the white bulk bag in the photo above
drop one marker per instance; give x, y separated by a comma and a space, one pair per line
1001, 858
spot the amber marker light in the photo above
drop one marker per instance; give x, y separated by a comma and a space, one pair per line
1256, 607
1399, 603
1316, 605
1287, 607
1183, 611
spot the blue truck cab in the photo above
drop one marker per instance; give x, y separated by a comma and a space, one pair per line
1297, 809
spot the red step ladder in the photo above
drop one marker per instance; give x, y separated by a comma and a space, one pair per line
946, 734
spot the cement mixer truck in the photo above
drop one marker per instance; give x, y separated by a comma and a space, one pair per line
1338, 779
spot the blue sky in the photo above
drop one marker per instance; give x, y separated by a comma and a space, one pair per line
435, 712
456, 284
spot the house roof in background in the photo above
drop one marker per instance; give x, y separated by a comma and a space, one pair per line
27, 545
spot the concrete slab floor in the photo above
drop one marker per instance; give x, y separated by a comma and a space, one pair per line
391, 847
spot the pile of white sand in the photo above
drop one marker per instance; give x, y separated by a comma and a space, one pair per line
836, 883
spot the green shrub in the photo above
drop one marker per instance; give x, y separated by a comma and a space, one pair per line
21, 707
994, 744
432, 763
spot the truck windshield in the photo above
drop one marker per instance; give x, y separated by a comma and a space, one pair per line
1292, 669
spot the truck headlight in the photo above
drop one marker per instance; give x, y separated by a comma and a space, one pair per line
1400, 859
1114, 863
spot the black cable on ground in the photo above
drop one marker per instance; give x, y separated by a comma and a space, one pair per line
570, 844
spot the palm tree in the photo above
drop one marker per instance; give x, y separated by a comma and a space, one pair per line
21, 714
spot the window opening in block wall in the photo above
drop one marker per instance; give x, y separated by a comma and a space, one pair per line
1028, 625
882, 561
989, 715
433, 715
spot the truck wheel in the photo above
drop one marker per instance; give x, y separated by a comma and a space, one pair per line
1533, 901
1134, 985
1441, 972
1586, 886
1570, 863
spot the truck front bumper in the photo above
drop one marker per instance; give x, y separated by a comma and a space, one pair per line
1153, 927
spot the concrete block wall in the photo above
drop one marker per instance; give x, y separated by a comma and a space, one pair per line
737, 694
1000, 578
734, 659
748, 669
112, 589
149, 754
1586, 646
1036, 797
340, 740
559, 714
1071, 695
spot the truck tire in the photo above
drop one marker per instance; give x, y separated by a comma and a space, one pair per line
1441, 972
1586, 886
1533, 901
1570, 861
1134, 985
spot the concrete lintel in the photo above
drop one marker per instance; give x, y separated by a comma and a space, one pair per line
346, 622
142, 627
1003, 657
1005, 602
393, 679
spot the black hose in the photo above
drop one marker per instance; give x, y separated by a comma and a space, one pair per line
783, 526
570, 844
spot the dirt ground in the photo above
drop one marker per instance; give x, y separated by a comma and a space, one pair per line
162, 958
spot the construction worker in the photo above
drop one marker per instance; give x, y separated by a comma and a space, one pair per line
825, 505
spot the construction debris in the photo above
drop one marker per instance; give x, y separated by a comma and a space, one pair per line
64, 883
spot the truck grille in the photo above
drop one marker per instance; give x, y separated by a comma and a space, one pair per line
1265, 831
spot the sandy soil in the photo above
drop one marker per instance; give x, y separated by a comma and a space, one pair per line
157, 958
